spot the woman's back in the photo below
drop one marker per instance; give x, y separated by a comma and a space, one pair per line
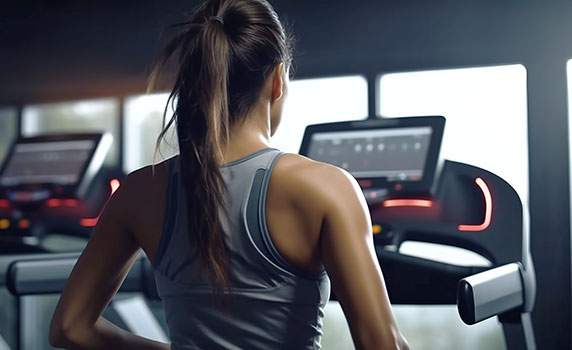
314, 217
269, 302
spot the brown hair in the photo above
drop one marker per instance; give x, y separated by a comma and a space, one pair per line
225, 52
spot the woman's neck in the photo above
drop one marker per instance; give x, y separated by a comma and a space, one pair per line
248, 137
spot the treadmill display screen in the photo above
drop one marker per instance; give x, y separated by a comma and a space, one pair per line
396, 154
59, 162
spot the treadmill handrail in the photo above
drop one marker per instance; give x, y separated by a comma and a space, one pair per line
50, 275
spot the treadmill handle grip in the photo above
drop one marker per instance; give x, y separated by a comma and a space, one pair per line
490, 293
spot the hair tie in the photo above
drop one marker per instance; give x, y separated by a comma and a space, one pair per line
217, 19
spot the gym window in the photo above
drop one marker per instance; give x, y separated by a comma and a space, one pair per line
143, 124
321, 100
100, 115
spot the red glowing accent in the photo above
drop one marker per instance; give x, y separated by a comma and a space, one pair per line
56, 202
89, 222
398, 187
488, 209
114, 185
423, 203
92, 222
52, 203
24, 224
4, 204
71, 203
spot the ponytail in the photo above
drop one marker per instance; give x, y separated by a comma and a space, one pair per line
225, 53
201, 154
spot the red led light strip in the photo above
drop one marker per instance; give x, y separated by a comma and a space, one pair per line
392, 203
52, 203
488, 209
89, 222
56, 202
92, 222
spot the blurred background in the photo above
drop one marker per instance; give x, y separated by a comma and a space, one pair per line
498, 70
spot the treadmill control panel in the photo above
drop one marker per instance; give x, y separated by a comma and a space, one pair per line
393, 154
386, 156
58, 162
44, 182
53, 165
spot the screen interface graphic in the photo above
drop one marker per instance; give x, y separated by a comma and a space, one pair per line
59, 162
395, 154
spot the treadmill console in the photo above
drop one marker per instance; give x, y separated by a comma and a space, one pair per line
386, 156
55, 165
45, 183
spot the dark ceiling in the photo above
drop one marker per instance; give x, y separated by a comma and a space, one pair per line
53, 50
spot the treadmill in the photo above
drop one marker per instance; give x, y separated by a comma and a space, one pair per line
49, 184
412, 195
52, 190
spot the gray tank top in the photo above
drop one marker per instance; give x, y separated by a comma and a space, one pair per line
271, 304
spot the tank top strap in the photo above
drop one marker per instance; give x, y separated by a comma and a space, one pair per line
255, 218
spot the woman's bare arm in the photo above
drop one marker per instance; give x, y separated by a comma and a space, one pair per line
96, 277
347, 251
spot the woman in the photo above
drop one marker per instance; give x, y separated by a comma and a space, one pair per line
240, 235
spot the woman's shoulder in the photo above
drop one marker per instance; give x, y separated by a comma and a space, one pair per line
146, 185
312, 182
300, 166
142, 196
149, 178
